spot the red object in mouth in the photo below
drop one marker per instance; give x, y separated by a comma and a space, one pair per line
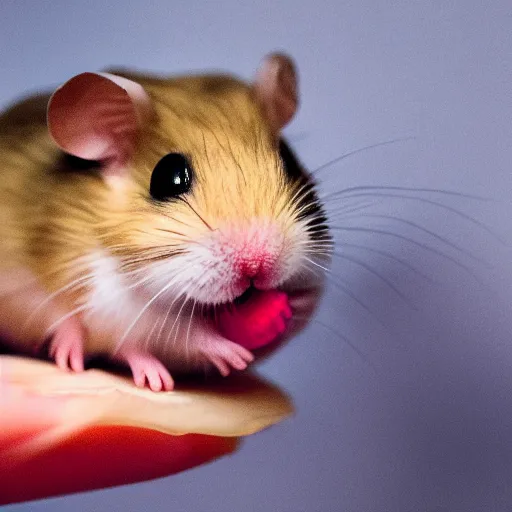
257, 321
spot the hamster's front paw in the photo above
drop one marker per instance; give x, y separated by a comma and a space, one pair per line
225, 354
258, 321
67, 345
144, 367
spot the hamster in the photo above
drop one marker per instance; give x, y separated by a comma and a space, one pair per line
137, 210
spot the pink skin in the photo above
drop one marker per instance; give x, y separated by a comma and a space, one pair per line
222, 353
147, 367
225, 354
67, 345
257, 322
67, 349
240, 328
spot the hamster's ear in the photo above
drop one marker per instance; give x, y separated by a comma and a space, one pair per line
95, 116
276, 87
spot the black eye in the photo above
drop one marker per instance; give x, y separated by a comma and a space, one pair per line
172, 177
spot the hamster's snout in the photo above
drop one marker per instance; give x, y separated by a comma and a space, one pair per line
252, 254
255, 252
256, 260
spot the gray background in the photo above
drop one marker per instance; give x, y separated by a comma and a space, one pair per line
429, 426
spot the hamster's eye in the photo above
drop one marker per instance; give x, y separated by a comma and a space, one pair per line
171, 177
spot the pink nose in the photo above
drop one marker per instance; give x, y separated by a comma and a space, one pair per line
250, 267
251, 252
258, 267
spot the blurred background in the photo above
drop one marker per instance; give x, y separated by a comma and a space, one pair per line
403, 384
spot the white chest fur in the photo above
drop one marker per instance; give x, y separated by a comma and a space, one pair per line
118, 316
112, 305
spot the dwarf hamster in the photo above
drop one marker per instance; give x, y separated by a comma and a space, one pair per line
136, 208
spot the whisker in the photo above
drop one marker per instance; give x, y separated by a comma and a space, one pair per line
164, 322
377, 274
175, 219
52, 296
453, 193
360, 150
177, 328
128, 264
148, 337
199, 216
316, 264
411, 241
63, 318
185, 300
360, 353
322, 249
144, 309
182, 294
390, 256
343, 285
299, 194
188, 328
321, 254
171, 232
429, 232
345, 209
455, 211
312, 270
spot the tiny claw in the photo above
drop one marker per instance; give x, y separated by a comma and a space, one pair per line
147, 367
220, 365
225, 354
66, 346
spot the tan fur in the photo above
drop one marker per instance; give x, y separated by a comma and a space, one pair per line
50, 220
217, 124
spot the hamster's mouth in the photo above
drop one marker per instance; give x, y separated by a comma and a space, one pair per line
245, 296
